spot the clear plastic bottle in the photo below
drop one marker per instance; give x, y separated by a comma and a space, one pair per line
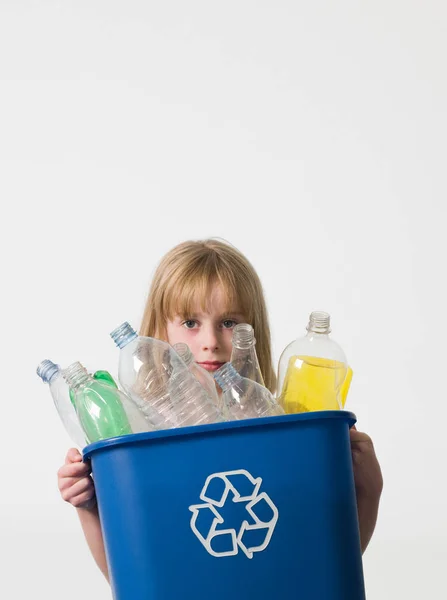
144, 371
160, 383
193, 406
203, 377
243, 356
103, 410
243, 398
51, 374
313, 372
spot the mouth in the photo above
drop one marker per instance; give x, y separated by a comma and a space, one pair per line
211, 365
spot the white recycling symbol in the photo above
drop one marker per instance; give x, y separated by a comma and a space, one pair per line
229, 480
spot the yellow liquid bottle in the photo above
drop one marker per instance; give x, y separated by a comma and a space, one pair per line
313, 371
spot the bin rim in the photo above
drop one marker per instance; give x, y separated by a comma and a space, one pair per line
222, 426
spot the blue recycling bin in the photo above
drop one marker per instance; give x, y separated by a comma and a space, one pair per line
256, 509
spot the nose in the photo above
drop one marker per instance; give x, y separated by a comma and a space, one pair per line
209, 339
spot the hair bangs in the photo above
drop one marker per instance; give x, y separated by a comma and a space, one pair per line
192, 287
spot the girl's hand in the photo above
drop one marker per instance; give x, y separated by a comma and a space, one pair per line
367, 473
368, 484
75, 482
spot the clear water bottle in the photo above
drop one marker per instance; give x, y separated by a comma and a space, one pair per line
103, 410
243, 356
159, 382
243, 398
144, 371
203, 377
192, 404
51, 374
313, 372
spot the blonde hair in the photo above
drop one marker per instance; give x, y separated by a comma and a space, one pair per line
188, 272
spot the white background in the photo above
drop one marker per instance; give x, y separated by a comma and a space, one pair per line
312, 136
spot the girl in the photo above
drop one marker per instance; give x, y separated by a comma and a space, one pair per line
200, 291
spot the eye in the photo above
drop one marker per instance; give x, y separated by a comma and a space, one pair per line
189, 323
229, 323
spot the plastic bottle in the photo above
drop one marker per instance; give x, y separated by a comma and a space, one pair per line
313, 372
51, 374
243, 398
243, 356
203, 377
160, 383
103, 410
193, 406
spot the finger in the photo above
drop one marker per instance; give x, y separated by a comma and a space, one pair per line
74, 470
66, 482
78, 487
73, 455
359, 436
85, 500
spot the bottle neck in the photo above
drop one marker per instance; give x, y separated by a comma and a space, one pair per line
243, 336
184, 352
76, 375
48, 370
123, 335
319, 322
227, 376
314, 335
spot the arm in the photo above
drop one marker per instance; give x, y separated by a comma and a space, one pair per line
76, 487
367, 511
368, 484
91, 526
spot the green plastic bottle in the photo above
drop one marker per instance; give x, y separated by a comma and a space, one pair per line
103, 410
101, 375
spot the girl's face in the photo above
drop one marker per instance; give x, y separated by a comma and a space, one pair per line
208, 334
